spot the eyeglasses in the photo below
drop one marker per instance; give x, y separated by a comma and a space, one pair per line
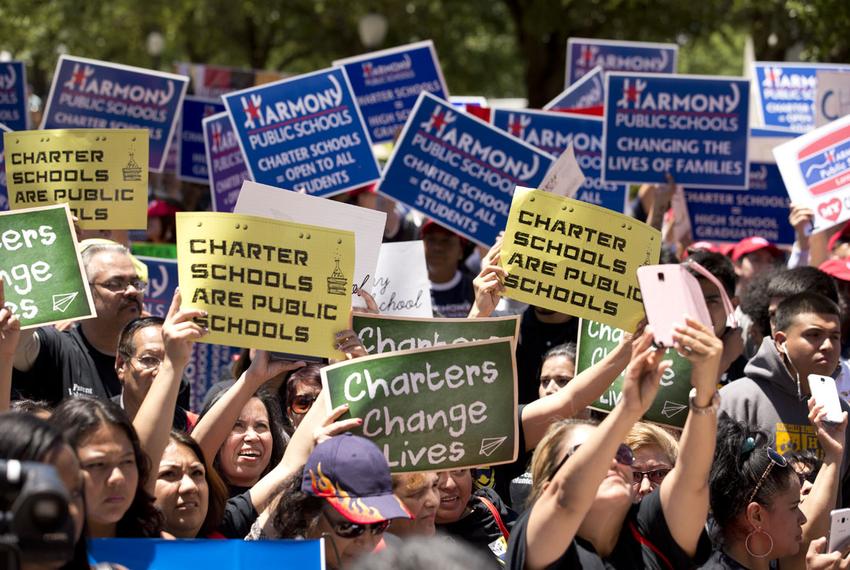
301, 404
656, 476
775, 459
121, 285
347, 529
624, 456
148, 362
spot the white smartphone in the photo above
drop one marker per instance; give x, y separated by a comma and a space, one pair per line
839, 529
826, 394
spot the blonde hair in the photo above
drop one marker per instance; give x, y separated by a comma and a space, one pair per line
548, 454
411, 482
643, 435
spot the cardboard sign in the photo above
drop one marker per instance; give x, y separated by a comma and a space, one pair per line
670, 407
4, 193
552, 133
231, 554
210, 363
304, 133
225, 164
576, 258
587, 95
816, 171
387, 83
41, 267
193, 157
785, 93
692, 127
100, 173
13, 95
584, 54
383, 333
440, 408
87, 93
266, 284
213, 81
833, 96
459, 170
732, 215
401, 285
367, 225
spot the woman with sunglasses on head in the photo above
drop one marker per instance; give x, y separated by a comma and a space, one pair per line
756, 501
655, 452
344, 495
298, 393
583, 515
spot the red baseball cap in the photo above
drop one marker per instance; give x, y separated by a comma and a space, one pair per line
843, 233
701, 246
162, 209
838, 268
752, 244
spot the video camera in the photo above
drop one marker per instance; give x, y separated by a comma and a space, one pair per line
35, 525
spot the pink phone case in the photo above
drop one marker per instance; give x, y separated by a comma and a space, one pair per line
669, 293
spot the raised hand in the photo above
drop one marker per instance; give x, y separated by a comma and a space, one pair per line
10, 329
349, 344
179, 331
488, 285
831, 436
263, 368
643, 375
331, 426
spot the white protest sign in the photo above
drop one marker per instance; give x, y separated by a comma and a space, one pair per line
565, 177
368, 225
401, 285
832, 100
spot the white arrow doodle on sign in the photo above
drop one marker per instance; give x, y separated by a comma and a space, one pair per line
491, 444
670, 409
62, 301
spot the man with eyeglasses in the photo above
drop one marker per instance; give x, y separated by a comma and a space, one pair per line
52, 365
141, 350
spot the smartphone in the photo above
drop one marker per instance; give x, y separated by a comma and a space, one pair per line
839, 529
825, 394
669, 292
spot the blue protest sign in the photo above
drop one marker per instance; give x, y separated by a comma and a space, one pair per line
583, 54
13, 95
193, 157
586, 93
210, 363
161, 554
304, 133
459, 170
225, 164
785, 93
692, 127
87, 93
552, 133
4, 192
732, 215
388, 82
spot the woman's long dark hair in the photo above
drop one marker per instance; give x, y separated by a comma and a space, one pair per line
217, 489
279, 438
27, 438
296, 513
80, 417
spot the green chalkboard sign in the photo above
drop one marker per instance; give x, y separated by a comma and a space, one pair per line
160, 250
670, 407
41, 267
448, 407
383, 333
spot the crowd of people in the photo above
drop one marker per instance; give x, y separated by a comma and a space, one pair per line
748, 482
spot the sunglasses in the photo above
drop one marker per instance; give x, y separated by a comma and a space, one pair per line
624, 456
655, 476
775, 459
302, 404
347, 529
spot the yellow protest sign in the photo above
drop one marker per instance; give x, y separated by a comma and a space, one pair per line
266, 284
100, 173
576, 258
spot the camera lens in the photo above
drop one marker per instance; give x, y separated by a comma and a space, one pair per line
47, 513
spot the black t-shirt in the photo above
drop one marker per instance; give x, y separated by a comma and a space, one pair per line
453, 299
721, 561
67, 365
645, 542
535, 338
480, 528
499, 477
239, 515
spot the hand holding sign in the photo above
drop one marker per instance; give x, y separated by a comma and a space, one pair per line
643, 375
333, 426
10, 329
263, 368
350, 344
179, 332
489, 284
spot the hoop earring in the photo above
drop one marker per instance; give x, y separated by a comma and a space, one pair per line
749, 550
